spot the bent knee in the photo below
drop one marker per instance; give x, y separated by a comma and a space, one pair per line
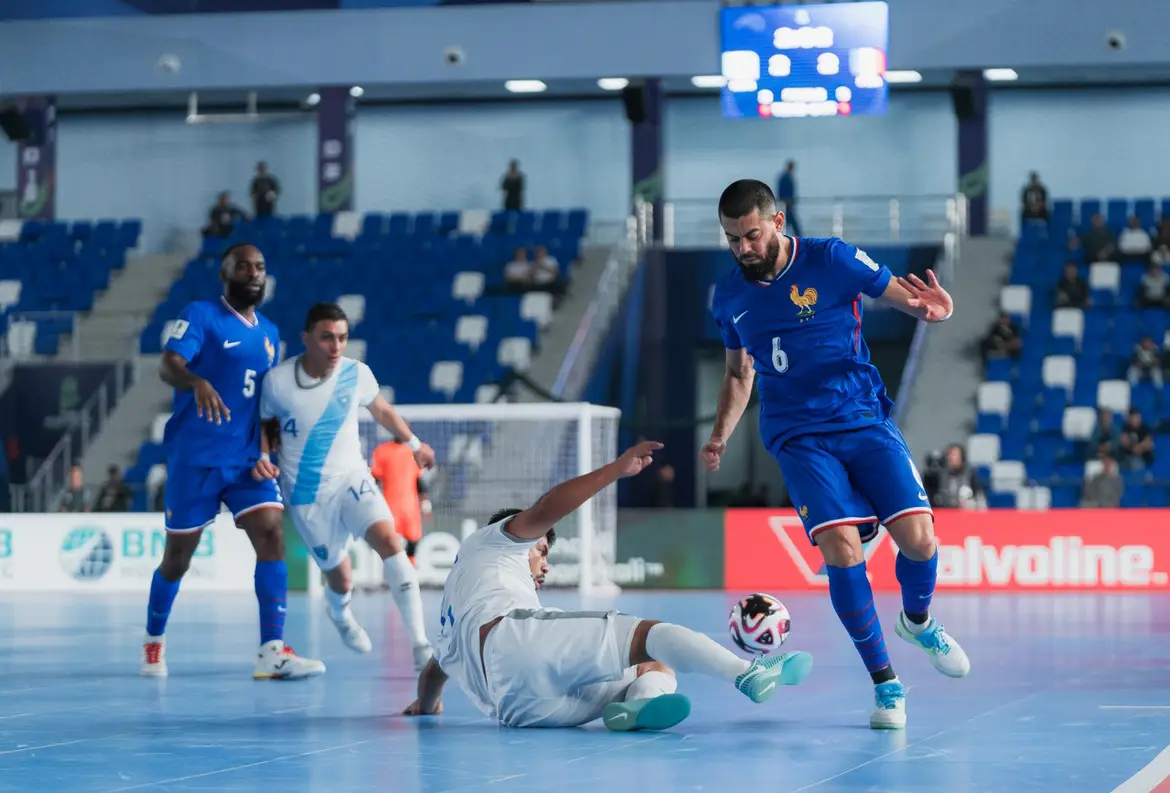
840, 546
915, 536
653, 666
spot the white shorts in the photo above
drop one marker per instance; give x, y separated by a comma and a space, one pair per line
344, 510
549, 668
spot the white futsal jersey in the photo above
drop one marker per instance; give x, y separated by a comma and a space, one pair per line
324, 476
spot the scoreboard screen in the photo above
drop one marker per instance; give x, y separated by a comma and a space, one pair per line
796, 61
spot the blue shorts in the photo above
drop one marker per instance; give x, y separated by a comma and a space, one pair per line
863, 477
193, 495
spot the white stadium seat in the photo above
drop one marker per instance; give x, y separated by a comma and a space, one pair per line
354, 306
467, 287
10, 230
471, 330
474, 221
22, 336
537, 306
1069, 322
158, 427
1034, 498
487, 393
356, 349
1007, 476
1105, 275
1016, 300
447, 377
1114, 395
1093, 468
282, 351
1057, 371
156, 477
994, 398
983, 449
269, 289
9, 294
347, 225
515, 352
1078, 423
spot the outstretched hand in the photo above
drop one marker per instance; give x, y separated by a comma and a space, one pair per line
930, 298
416, 709
635, 459
711, 452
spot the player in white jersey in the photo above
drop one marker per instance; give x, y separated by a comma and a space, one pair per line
529, 666
329, 491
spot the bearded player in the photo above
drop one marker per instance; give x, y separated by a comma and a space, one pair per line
315, 399
216, 358
791, 318
529, 666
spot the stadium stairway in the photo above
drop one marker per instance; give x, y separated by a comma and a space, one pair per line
942, 396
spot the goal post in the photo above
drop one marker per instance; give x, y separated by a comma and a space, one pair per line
501, 455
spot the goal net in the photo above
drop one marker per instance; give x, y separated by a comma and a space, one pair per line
493, 456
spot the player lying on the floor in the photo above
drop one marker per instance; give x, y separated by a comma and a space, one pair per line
530, 666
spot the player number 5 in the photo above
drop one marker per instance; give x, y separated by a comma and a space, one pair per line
780, 358
249, 382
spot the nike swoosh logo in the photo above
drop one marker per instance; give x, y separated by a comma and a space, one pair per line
230, 344
864, 638
768, 688
736, 319
922, 496
620, 717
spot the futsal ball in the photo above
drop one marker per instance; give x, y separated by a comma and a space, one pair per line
759, 624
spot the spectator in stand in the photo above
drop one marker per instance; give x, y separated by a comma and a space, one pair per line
1146, 364
1136, 444
547, 273
1104, 438
1034, 200
1154, 291
1072, 291
114, 495
1003, 339
223, 216
951, 482
1134, 243
1073, 247
265, 191
1162, 255
787, 196
74, 498
518, 273
1097, 241
513, 186
1104, 489
663, 487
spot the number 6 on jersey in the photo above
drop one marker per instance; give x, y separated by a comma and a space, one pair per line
780, 357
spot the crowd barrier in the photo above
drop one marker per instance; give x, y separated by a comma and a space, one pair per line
737, 549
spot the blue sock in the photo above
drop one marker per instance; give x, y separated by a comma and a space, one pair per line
158, 608
849, 591
918, 582
272, 586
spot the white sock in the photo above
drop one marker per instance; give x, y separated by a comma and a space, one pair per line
404, 588
651, 684
684, 650
914, 628
338, 605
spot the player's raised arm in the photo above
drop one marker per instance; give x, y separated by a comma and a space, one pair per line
735, 392
929, 301
562, 500
385, 414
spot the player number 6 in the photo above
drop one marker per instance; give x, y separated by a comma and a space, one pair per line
780, 358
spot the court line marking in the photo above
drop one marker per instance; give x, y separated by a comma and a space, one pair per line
1134, 707
42, 746
905, 747
243, 766
1149, 776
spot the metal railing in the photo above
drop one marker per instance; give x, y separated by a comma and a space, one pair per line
44, 488
692, 223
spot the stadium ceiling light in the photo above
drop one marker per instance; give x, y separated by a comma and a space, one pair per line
709, 81
903, 76
524, 86
357, 91
313, 99
1000, 75
613, 83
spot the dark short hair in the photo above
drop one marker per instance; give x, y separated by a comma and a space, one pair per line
745, 195
323, 312
231, 250
504, 514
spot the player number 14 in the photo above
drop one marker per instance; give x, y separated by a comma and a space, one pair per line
780, 358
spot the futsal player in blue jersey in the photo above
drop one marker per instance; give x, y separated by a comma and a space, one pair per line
216, 357
791, 319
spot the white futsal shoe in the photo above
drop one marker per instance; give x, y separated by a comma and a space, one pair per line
890, 706
423, 654
154, 657
277, 661
945, 652
353, 635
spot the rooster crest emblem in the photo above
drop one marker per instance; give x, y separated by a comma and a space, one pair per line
268, 348
805, 301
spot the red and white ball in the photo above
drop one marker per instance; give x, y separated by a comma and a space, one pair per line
759, 624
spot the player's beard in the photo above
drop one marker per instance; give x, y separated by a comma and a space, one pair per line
762, 270
242, 294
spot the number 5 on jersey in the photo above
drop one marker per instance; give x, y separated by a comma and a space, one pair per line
780, 357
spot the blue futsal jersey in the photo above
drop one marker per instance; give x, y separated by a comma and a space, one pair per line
803, 331
232, 354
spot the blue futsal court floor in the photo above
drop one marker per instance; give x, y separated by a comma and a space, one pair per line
1068, 694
